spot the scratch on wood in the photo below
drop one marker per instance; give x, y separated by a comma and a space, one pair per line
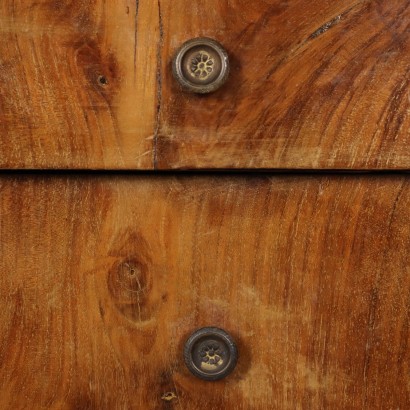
330, 24
327, 26
159, 83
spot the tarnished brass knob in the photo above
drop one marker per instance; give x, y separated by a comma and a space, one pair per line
201, 65
210, 353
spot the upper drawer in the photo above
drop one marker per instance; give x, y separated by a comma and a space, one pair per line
312, 85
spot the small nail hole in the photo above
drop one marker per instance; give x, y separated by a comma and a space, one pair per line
102, 80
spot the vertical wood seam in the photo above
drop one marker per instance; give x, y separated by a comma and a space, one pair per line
159, 85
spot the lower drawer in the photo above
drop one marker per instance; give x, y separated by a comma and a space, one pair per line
103, 278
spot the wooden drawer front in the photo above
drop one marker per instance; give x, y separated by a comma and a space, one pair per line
321, 84
103, 279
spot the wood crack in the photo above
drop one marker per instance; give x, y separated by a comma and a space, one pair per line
137, 4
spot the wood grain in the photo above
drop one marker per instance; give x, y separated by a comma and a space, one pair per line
77, 84
103, 278
322, 84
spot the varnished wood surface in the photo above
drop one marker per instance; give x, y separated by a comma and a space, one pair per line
322, 84
102, 278
77, 83
318, 84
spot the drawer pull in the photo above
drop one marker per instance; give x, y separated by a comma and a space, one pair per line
201, 65
210, 353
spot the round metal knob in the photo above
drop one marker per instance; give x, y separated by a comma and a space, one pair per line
201, 65
210, 353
